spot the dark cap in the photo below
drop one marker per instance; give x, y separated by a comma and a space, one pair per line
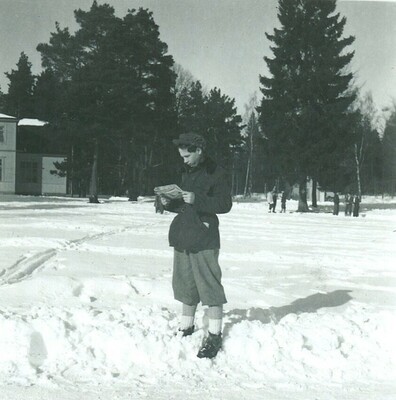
190, 139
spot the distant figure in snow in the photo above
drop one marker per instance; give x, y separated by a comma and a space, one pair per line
348, 204
336, 204
356, 206
275, 198
194, 235
270, 200
283, 202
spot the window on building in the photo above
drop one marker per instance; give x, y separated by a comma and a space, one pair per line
2, 133
1, 169
29, 171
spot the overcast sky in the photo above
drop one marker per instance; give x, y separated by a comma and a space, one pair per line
221, 42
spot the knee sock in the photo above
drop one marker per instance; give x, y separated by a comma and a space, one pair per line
188, 314
215, 314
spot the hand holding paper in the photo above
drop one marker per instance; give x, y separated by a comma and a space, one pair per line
188, 197
170, 192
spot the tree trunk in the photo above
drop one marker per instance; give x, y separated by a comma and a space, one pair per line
359, 187
93, 186
233, 176
250, 176
314, 188
120, 170
302, 200
247, 179
70, 172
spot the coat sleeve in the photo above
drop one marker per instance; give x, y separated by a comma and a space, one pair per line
219, 201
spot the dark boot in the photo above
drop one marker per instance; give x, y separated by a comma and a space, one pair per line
188, 331
211, 346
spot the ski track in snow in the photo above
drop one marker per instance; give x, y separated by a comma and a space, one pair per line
27, 265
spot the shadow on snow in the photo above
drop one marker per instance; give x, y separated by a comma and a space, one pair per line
308, 304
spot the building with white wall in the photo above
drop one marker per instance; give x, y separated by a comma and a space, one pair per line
8, 127
26, 172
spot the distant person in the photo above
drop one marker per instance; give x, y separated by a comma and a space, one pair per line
270, 200
194, 235
132, 195
275, 199
356, 206
348, 205
283, 202
336, 204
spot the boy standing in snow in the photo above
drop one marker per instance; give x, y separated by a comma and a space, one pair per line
194, 234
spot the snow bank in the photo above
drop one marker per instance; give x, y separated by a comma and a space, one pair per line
31, 122
92, 345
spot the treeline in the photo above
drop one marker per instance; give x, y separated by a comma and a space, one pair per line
114, 99
312, 122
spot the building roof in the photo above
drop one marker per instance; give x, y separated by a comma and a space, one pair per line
4, 116
31, 122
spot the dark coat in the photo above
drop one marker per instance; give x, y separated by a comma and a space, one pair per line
196, 227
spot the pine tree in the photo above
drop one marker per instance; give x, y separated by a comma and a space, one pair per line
146, 90
366, 147
184, 80
18, 100
255, 154
212, 115
60, 55
88, 85
191, 109
359, 171
2, 101
47, 96
252, 132
305, 108
389, 154
117, 81
224, 125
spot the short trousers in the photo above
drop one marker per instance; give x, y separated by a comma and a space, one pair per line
197, 278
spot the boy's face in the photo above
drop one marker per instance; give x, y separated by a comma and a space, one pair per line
191, 159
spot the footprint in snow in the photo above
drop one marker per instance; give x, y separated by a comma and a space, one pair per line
37, 350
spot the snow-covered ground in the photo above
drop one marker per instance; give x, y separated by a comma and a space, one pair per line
86, 305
